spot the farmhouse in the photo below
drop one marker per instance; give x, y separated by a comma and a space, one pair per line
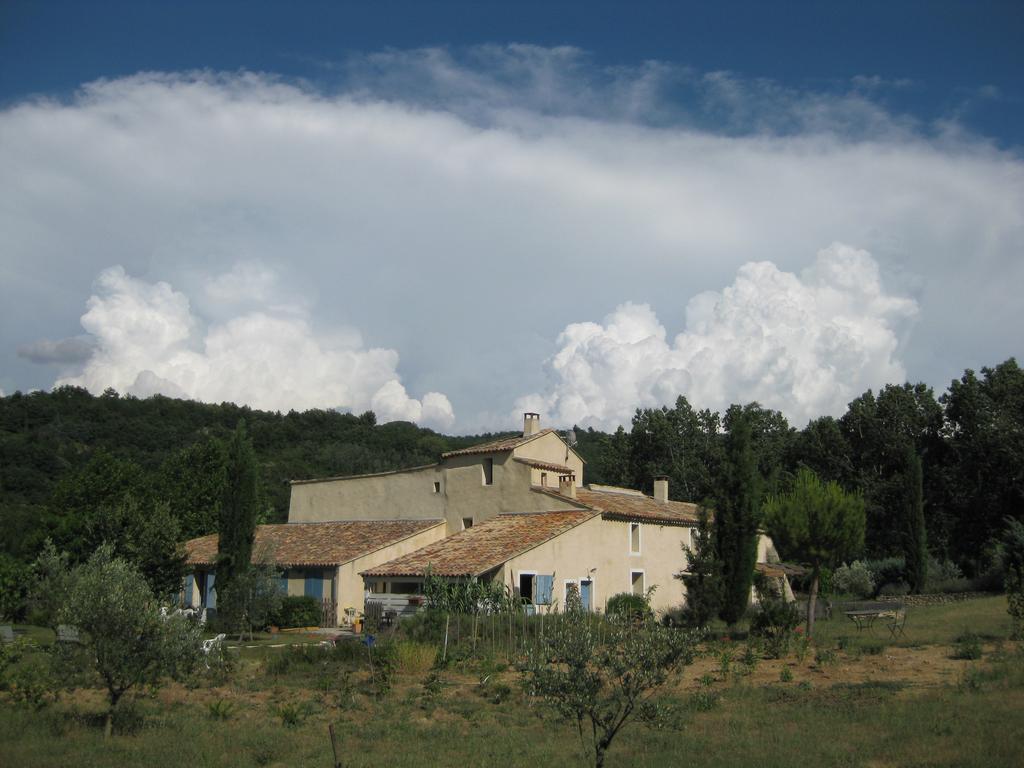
512, 511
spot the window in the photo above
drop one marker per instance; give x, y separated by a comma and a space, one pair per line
437, 486
634, 538
544, 479
488, 467
406, 587
467, 522
526, 582
636, 579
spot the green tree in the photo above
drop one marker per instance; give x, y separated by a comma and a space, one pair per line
818, 524
191, 482
14, 583
737, 515
702, 574
600, 681
126, 642
238, 512
915, 541
1013, 565
145, 534
253, 596
983, 481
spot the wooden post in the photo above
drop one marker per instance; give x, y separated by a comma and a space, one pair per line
444, 654
334, 746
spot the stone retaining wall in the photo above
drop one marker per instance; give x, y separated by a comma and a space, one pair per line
936, 599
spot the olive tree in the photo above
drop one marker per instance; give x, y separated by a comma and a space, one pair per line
600, 675
818, 524
124, 638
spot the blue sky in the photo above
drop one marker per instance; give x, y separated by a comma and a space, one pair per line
950, 52
451, 212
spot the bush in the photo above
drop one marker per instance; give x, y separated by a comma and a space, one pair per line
297, 611
968, 647
626, 605
854, 579
414, 658
885, 571
774, 622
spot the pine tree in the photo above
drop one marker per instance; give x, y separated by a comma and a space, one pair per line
237, 518
817, 524
915, 540
738, 516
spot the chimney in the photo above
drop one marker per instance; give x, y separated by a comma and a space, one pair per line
531, 424
661, 487
567, 485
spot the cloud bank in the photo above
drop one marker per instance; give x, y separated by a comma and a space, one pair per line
146, 340
804, 344
464, 209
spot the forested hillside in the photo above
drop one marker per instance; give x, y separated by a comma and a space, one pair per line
64, 454
67, 459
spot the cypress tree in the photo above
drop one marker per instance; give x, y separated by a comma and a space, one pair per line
702, 574
738, 516
915, 538
237, 517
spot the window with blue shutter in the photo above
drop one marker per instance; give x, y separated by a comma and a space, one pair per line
314, 584
211, 591
544, 586
190, 581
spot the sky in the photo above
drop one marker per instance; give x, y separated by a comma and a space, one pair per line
450, 213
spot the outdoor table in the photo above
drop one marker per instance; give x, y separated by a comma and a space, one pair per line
865, 618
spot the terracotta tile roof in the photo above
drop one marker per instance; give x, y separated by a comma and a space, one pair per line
477, 550
560, 469
497, 446
632, 506
316, 543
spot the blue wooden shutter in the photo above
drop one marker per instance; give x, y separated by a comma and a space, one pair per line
545, 586
585, 590
314, 584
211, 591
282, 584
190, 581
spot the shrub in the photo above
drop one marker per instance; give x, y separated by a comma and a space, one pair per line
899, 589
786, 675
414, 658
220, 709
298, 611
291, 714
854, 579
626, 605
885, 571
774, 622
825, 657
968, 647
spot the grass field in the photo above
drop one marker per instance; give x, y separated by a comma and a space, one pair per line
856, 699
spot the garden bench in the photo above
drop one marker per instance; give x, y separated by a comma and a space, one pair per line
67, 634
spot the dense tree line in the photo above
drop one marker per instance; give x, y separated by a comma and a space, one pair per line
938, 475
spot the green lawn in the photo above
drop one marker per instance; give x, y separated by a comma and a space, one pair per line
817, 719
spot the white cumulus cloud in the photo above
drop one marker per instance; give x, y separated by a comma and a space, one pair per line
804, 344
147, 340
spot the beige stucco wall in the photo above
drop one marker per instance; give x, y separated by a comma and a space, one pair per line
407, 495
350, 583
552, 449
599, 549
410, 494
